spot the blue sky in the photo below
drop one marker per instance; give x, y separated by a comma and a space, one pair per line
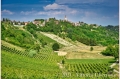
101, 12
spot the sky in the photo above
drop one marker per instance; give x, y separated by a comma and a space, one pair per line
101, 12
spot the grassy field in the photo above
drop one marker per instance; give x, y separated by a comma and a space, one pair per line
11, 45
85, 55
83, 61
47, 39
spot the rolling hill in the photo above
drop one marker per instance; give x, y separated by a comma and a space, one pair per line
21, 61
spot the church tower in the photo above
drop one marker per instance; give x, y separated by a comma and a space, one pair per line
65, 18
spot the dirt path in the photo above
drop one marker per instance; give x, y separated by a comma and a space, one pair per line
116, 71
113, 66
64, 71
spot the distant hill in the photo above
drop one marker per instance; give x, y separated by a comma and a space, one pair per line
91, 35
88, 34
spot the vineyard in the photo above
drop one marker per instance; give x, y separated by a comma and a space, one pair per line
20, 66
58, 49
43, 54
17, 64
87, 68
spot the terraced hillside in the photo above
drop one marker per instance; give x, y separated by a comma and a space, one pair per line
58, 39
27, 53
77, 50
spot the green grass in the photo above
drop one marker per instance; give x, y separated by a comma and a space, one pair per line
45, 38
18, 37
82, 61
11, 45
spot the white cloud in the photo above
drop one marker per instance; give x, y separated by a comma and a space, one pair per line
55, 6
27, 12
55, 12
59, 9
7, 12
52, 10
49, 13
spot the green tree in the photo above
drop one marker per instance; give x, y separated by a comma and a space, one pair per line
55, 46
19, 38
37, 47
112, 51
31, 31
91, 48
116, 52
109, 51
63, 61
2, 27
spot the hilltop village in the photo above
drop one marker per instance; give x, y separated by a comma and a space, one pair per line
42, 22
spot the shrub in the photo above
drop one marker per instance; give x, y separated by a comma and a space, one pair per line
63, 62
91, 48
111, 51
32, 52
55, 46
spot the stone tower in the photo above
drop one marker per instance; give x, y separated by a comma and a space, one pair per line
65, 18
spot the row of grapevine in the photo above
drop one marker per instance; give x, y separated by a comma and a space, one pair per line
21, 73
13, 50
87, 68
41, 56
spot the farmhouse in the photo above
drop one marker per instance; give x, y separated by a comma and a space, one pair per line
61, 53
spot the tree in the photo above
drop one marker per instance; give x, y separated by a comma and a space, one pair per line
43, 42
63, 61
55, 46
37, 47
19, 37
31, 31
116, 52
108, 51
2, 27
3, 19
91, 48
112, 51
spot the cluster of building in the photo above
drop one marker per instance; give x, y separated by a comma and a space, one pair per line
42, 22
25, 23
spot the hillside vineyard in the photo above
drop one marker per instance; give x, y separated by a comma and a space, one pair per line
58, 49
